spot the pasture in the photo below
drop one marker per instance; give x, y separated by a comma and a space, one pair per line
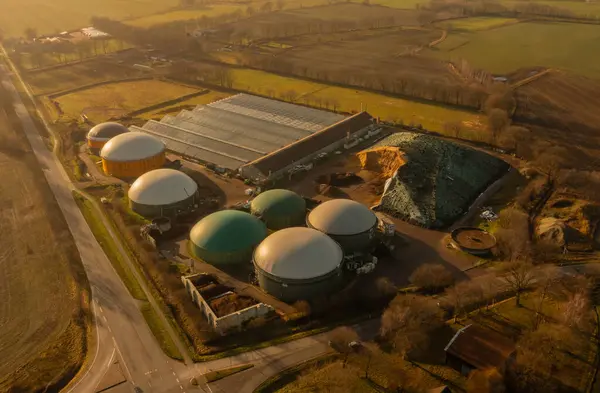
431, 117
479, 23
116, 99
45, 302
502, 50
49, 17
183, 15
76, 75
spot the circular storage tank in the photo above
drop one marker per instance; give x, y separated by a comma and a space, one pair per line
349, 223
102, 133
227, 237
298, 263
132, 154
473, 240
279, 209
162, 192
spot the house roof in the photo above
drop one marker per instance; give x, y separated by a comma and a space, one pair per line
308, 145
480, 347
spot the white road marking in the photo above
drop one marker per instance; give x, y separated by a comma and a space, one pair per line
123, 360
177, 379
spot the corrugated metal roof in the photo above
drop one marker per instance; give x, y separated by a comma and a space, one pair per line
162, 187
298, 254
295, 152
228, 231
132, 146
342, 217
274, 111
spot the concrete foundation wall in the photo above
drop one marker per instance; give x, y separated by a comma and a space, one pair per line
227, 322
290, 291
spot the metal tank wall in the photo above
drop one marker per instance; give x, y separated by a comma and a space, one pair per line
170, 210
133, 169
294, 290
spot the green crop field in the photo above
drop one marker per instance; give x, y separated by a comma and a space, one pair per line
58, 15
480, 23
116, 99
431, 117
181, 15
569, 46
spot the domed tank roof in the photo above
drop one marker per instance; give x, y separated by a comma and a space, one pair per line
278, 202
162, 187
132, 146
227, 231
106, 131
342, 217
298, 253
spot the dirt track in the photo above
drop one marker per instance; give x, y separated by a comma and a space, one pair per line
41, 338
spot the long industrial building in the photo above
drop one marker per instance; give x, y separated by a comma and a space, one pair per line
259, 137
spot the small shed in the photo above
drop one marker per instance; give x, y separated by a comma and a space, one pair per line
475, 347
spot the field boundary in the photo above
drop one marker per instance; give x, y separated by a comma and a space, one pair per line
165, 103
95, 84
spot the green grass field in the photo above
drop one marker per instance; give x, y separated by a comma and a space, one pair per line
102, 102
158, 329
55, 16
480, 23
204, 99
431, 117
180, 15
569, 46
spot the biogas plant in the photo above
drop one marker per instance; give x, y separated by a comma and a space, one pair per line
273, 248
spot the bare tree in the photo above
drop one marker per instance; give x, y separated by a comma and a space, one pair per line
250, 11
341, 339
266, 7
407, 322
518, 276
577, 310
280, 4
431, 277
462, 294
551, 161
30, 33
546, 278
485, 381
385, 287
497, 120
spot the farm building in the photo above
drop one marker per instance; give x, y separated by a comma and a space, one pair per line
227, 237
102, 133
279, 209
348, 222
298, 263
475, 347
132, 154
163, 192
240, 132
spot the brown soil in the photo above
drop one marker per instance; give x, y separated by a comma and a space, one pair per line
385, 160
231, 303
44, 289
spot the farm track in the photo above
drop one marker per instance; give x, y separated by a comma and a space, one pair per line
532, 78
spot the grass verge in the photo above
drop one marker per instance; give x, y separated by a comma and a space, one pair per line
288, 375
109, 247
213, 376
162, 336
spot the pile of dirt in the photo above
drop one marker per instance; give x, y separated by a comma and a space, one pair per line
385, 160
551, 230
340, 179
228, 304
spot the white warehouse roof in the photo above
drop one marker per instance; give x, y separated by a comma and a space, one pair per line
298, 253
162, 187
342, 217
132, 146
